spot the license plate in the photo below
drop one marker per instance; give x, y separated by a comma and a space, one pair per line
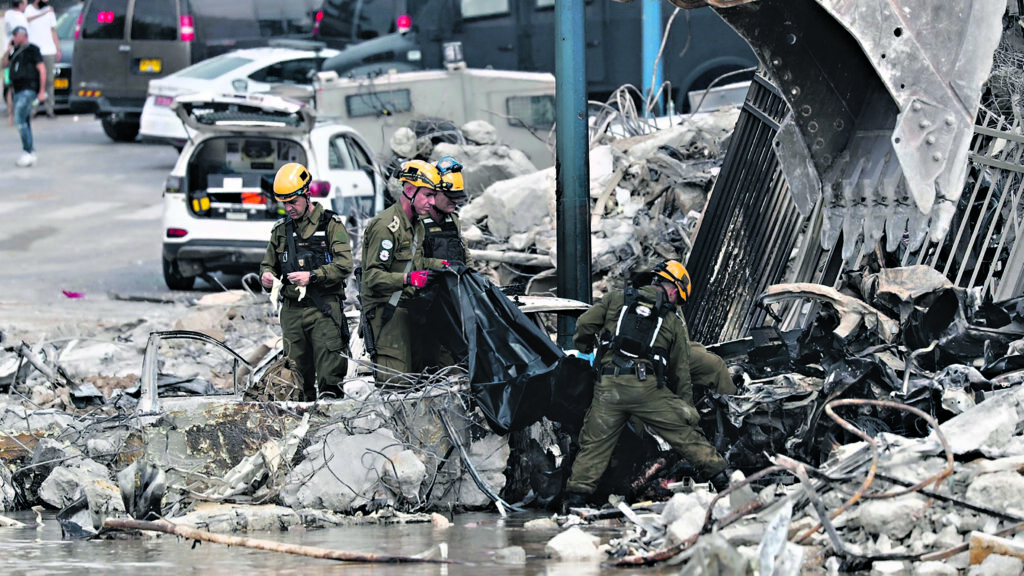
150, 65
236, 215
60, 83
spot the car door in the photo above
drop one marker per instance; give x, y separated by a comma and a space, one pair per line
100, 61
155, 47
349, 169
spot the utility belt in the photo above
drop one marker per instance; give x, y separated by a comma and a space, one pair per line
306, 302
618, 368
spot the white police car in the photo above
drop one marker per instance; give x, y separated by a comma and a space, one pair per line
283, 66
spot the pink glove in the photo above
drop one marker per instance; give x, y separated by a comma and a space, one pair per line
419, 278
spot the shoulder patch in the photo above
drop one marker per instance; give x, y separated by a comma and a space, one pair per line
395, 224
384, 255
387, 244
280, 221
338, 218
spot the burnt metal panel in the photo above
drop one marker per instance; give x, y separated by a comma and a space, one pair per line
980, 250
749, 229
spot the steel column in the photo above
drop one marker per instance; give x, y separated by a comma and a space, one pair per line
572, 166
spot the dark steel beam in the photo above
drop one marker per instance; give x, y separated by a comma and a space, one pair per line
572, 165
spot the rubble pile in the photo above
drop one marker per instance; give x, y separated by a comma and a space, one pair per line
76, 414
648, 187
886, 437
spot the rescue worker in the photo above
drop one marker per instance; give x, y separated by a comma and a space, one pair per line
393, 270
311, 255
644, 354
443, 243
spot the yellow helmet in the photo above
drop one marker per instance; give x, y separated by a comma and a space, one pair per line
452, 184
420, 173
291, 180
675, 272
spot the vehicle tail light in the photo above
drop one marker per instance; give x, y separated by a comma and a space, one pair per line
173, 185
176, 232
163, 100
316, 22
319, 188
403, 23
78, 25
253, 198
188, 29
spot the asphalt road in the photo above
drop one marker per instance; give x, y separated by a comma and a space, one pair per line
85, 219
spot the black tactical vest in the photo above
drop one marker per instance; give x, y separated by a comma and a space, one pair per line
638, 325
307, 254
443, 241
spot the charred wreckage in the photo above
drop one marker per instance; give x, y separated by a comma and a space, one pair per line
872, 319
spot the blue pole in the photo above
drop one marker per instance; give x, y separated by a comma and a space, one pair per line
572, 165
651, 37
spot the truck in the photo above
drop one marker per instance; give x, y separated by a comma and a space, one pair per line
507, 35
520, 105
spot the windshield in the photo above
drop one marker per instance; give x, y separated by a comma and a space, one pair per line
256, 18
214, 67
66, 22
360, 19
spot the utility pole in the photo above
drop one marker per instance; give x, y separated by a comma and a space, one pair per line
572, 161
651, 33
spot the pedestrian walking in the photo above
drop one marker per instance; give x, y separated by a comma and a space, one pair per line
28, 78
13, 18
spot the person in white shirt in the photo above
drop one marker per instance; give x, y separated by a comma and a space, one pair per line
13, 18
42, 31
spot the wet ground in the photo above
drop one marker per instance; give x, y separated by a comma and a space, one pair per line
473, 539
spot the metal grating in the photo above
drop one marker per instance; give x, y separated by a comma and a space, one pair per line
980, 249
749, 229
751, 235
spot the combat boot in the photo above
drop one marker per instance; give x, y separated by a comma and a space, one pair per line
720, 481
573, 500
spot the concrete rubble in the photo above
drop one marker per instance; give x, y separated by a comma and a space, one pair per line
886, 490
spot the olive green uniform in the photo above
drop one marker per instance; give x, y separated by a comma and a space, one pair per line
389, 254
428, 353
311, 338
424, 233
709, 370
617, 397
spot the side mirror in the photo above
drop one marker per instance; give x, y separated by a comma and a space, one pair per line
319, 188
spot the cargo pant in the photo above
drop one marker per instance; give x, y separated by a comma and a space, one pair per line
394, 347
709, 371
314, 342
616, 398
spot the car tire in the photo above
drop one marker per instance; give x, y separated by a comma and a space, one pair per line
173, 277
120, 131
